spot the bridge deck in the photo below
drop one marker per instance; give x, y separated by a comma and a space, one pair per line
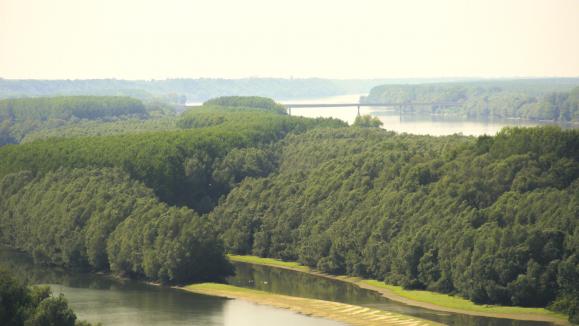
336, 105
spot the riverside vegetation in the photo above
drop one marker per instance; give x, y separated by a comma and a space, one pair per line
32, 306
492, 219
551, 100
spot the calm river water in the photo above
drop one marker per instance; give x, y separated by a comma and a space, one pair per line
413, 124
288, 282
110, 301
114, 302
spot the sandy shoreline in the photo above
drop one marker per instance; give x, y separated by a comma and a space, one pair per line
341, 312
395, 297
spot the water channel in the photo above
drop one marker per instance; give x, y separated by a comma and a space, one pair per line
420, 124
111, 301
292, 283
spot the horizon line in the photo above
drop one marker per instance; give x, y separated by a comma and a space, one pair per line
296, 78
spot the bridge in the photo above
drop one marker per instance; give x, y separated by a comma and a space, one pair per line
433, 105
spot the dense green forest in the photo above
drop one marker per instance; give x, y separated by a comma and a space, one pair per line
508, 99
493, 219
100, 219
180, 166
93, 202
63, 116
159, 117
32, 306
81, 107
86, 128
367, 121
255, 102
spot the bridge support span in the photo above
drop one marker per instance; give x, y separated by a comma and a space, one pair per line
400, 106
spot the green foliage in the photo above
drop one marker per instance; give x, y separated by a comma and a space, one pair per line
367, 121
93, 199
20, 117
568, 282
210, 116
100, 219
255, 102
16, 300
159, 159
87, 128
492, 219
52, 312
5, 135
250, 117
508, 99
34, 306
239, 164
177, 165
81, 107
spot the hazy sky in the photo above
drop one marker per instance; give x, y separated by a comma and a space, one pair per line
144, 39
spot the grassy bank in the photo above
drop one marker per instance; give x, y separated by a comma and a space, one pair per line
449, 301
270, 262
350, 314
425, 299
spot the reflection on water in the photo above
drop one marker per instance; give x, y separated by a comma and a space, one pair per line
434, 125
288, 282
99, 298
149, 305
110, 301
440, 125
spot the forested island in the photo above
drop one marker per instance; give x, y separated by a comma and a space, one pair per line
534, 99
491, 218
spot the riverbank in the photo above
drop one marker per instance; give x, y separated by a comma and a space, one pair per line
423, 299
346, 313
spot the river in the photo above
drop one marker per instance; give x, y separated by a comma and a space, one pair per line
99, 298
114, 302
293, 283
434, 125
110, 301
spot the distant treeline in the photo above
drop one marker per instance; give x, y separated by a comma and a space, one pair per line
67, 107
193, 90
24, 116
526, 99
248, 101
